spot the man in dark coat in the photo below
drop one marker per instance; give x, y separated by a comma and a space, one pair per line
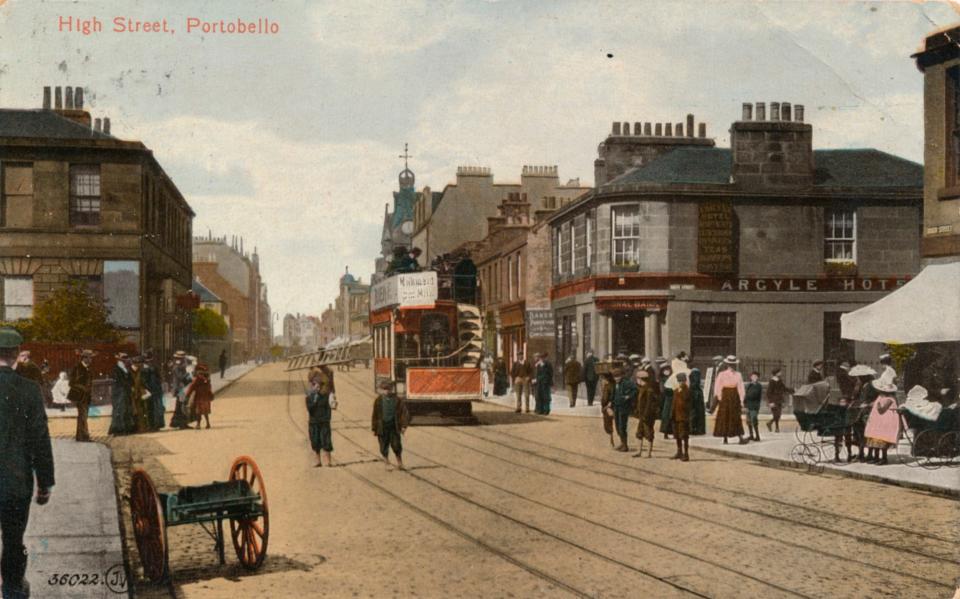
27, 455
624, 399
154, 384
122, 418
81, 384
390, 420
816, 373
590, 376
222, 362
543, 384
572, 375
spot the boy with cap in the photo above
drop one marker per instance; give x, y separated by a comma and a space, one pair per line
389, 422
28, 455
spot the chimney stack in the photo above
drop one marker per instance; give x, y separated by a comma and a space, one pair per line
46, 97
773, 153
747, 112
106, 125
689, 125
58, 98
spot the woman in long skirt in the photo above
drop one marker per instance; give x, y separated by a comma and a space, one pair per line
121, 420
729, 391
666, 403
883, 425
200, 393
179, 379
698, 423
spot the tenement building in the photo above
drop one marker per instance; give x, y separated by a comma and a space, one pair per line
754, 250
234, 275
79, 204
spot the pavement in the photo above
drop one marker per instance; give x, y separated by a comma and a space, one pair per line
74, 542
777, 448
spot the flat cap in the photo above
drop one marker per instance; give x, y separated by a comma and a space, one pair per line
10, 338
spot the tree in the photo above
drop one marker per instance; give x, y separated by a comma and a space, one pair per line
208, 324
71, 315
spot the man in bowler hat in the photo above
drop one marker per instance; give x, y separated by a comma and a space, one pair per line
27, 455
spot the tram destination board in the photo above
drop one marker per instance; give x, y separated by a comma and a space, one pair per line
407, 289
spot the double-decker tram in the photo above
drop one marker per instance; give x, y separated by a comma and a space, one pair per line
426, 330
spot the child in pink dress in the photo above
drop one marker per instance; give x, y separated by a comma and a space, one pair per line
883, 425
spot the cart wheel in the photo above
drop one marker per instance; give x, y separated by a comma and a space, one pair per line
949, 448
250, 534
148, 525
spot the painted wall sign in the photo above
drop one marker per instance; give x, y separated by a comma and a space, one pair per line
407, 289
717, 241
540, 323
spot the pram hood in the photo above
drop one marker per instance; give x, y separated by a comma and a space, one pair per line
810, 398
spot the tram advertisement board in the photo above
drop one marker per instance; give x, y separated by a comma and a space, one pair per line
406, 289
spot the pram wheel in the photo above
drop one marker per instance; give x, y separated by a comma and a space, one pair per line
949, 448
806, 453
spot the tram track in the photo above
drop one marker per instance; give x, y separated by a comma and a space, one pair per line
661, 546
353, 424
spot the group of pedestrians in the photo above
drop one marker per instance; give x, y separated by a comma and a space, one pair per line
533, 378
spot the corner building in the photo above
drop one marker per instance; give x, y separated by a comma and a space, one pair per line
753, 250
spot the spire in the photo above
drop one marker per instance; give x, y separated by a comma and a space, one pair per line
406, 175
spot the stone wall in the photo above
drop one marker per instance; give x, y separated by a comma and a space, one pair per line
941, 198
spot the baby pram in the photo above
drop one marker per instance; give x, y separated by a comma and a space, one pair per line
933, 432
820, 418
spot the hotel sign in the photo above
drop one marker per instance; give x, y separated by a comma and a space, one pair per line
404, 290
814, 284
717, 241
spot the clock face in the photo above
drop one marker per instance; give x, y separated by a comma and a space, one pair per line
407, 227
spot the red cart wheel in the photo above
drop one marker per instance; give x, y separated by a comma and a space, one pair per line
250, 535
148, 525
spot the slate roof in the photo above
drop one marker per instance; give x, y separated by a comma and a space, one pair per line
44, 124
833, 168
403, 201
205, 294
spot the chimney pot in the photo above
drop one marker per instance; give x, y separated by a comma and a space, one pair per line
798, 113
785, 111
668, 130
774, 111
96, 124
678, 130
703, 129
78, 98
46, 97
616, 128
68, 98
747, 112
106, 125
761, 111
58, 98
689, 125
638, 128
647, 129
658, 130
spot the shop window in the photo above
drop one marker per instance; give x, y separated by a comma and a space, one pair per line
580, 243
17, 297
85, 194
713, 334
840, 236
16, 195
626, 236
121, 292
835, 348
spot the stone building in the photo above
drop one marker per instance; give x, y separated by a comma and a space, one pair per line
939, 60
329, 325
513, 265
754, 250
301, 331
353, 306
443, 222
78, 203
224, 268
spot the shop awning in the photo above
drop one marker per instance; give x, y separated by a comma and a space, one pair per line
925, 310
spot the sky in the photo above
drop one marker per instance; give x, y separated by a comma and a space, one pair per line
292, 140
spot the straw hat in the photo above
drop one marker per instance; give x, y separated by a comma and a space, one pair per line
731, 359
862, 370
916, 393
884, 385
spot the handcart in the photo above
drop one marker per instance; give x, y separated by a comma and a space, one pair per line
242, 500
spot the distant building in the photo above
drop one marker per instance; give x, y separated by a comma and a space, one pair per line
754, 250
353, 306
79, 204
459, 214
329, 325
301, 331
233, 275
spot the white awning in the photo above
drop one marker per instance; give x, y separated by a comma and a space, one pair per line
925, 310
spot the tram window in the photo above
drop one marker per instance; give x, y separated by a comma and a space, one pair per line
435, 328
